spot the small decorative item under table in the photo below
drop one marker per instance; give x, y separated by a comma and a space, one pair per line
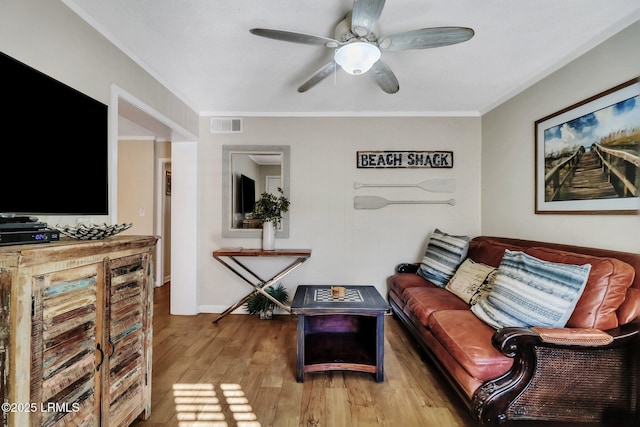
341, 332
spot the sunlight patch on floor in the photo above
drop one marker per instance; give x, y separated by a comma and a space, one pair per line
199, 405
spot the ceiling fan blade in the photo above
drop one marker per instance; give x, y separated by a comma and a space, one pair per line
318, 76
365, 16
382, 75
289, 36
425, 38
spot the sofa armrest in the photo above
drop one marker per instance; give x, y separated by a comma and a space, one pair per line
574, 336
557, 371
507, 340
407, 268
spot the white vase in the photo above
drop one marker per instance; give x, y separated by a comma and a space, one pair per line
268, 236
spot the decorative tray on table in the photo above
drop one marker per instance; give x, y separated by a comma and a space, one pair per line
92, 231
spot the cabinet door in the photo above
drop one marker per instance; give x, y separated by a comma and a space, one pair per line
125, 391
65, 377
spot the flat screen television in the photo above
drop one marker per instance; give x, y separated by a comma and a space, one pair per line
55, 146
247, 194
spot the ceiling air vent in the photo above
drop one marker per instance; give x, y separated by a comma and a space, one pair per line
226, 125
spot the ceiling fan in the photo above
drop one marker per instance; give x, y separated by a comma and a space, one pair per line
358, 45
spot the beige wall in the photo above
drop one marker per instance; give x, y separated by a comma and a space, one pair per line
349, 245
508, 151
135, 186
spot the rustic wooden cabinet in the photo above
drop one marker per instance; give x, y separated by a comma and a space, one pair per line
76, 331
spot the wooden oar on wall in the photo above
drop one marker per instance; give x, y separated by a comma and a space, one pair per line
433, 185
375, 202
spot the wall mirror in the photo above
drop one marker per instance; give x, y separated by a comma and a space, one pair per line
247, 172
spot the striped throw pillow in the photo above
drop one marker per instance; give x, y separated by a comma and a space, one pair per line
528, 291
443, 256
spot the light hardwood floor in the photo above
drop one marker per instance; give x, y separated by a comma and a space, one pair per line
241, 372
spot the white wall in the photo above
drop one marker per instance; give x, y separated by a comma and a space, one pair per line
508, 151
349, 246
184, 228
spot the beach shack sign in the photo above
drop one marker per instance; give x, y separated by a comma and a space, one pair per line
404, 159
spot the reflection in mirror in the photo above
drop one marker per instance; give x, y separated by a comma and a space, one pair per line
247, 172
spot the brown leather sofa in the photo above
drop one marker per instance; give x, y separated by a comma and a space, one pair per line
587, 372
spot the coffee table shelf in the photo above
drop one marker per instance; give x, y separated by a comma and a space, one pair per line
340, 340
340, 334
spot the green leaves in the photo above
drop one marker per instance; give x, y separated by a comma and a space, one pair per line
270, 207
259, 302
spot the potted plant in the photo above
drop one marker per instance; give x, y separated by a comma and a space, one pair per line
259, 304
269, 210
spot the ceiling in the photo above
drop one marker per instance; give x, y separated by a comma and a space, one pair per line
203, 52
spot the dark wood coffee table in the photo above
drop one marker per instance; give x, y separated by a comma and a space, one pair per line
340, 333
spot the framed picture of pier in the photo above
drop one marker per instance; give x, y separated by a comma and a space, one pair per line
587, 157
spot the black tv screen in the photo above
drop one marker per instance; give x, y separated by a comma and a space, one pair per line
247, 194
55, 146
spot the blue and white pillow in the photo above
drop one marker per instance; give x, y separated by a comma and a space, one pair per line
443, 256
531, 292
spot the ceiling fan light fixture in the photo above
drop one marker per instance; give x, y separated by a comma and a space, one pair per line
357, 57
357, 44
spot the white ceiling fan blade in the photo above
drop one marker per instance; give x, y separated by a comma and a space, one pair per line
289, 36
318, 76
382, 75
362, 22
425, 38
365, 16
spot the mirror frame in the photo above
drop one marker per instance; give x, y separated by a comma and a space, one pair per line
227, 152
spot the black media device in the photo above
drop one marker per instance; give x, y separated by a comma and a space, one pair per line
22, 226
25, 237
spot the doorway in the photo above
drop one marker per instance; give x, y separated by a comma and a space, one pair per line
143, 196
163, 220
129, 117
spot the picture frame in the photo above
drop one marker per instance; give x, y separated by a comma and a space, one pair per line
587, 156
167, 183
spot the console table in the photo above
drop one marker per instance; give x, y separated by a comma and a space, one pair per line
229, 258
